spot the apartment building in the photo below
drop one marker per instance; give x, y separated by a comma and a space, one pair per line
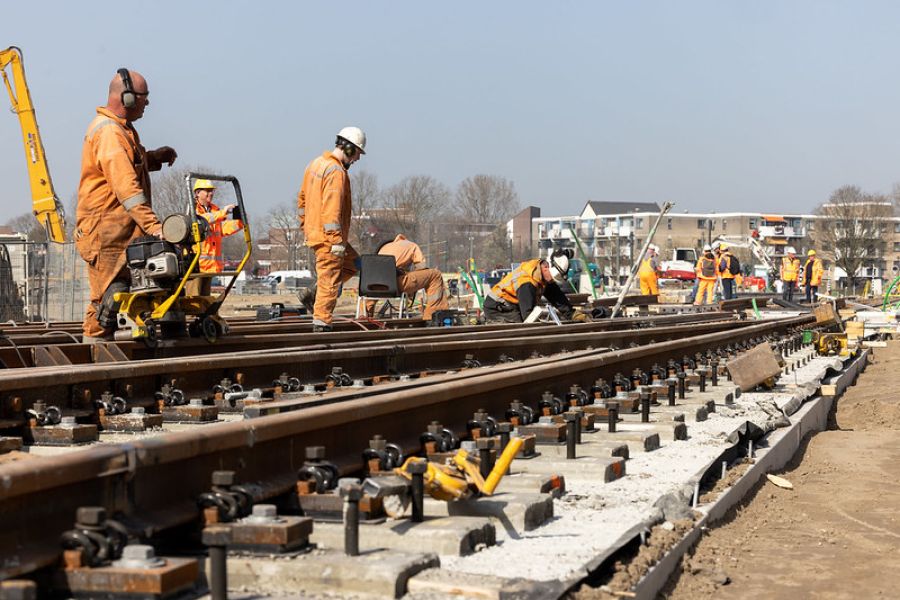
611, 233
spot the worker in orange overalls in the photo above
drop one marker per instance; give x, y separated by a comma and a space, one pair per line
707, 274
649, 271
413, 275
219, 225
812, 276
324, 208
790, 271
114, 199
513, 298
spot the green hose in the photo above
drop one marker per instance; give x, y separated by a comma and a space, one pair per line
887, 294
755, 309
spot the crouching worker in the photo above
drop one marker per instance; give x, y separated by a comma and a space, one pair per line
413, 275
513, 298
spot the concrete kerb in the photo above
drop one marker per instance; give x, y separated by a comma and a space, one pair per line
783, 444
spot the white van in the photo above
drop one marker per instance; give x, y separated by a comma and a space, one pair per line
279, 278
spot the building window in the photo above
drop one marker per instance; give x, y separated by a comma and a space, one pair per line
701, 223
669, 223
639, 223
752, 223
896, 246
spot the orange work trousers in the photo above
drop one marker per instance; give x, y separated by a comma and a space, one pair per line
649, 284
411, 282
708, 287
331, 272
109, 266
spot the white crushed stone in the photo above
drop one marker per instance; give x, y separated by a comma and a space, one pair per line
593, 515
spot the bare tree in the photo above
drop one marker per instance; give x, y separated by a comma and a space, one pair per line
852, 227
169, 192
413, 204
285, 235
366, 193
28, 225
487, 199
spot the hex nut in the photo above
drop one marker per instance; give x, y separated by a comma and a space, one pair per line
92, 516
223, 478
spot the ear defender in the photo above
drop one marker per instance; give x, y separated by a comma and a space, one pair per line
128, 97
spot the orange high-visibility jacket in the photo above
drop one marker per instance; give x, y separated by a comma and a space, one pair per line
324, 202
789, 268
527, 272
706, 268
211, 259
114, 192
725, 272
406, 253
812, 272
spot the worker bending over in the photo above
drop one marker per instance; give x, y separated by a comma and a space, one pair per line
219, 224
729, 270
707, 274
649, 271
790, 270
413, 275
513, 298
324, 209
114, 199
812, 276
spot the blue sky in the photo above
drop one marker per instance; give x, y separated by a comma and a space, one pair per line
713, 105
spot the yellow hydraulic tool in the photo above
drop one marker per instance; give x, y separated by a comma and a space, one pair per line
46, 206
461, 478
832, 344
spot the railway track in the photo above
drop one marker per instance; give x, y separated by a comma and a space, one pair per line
152, 484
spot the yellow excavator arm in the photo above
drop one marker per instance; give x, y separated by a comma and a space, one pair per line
46, 206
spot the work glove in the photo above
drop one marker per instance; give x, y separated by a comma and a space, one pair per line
338, 250
579, 317
165, 154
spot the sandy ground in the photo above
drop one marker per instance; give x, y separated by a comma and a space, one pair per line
837, 533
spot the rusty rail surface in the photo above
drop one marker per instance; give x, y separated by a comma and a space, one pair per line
153, 484
73, 389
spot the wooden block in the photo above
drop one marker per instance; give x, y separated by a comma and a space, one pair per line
753, 367
855, 328
828, 390
825, 314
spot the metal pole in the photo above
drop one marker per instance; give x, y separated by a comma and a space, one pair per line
634, 266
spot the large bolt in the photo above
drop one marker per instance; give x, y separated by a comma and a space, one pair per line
612, 416
682, 376
484, 446
90, 516
715, 372
217, 538
418, 469
378, 442
645, 407
351, 493
315, 453
223, 478
670, 385
571, 424
702, 375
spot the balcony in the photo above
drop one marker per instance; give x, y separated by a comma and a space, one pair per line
613, 231
781, 231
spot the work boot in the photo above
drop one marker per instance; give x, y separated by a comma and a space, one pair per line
322, 328
308, 298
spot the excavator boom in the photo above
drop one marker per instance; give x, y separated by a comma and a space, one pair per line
45, 204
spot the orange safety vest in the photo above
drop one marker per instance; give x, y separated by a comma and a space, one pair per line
813, 271
706, 268
726, 272
211, 259
789, 268
527, 272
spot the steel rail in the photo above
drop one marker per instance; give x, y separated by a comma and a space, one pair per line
72, 389
27, 351
153, 484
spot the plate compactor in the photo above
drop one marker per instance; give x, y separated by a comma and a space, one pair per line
154, 307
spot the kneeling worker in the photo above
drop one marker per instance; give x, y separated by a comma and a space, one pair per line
412, 276
649, 271
513, 298
220, 225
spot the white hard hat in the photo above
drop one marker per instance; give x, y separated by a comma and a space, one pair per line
790, 250
355, 136
716, 244
559, 267
707, 248
654, 247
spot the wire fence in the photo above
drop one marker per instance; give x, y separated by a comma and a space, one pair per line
41, 281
